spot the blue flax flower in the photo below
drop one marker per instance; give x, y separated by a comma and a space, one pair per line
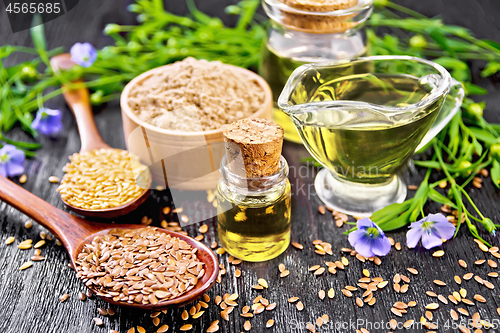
47, 121
369, 240
11, 161
84, 54
432, 229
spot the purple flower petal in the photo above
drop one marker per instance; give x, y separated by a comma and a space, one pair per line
365, 222
413, 236
14, 169
355, 236
364, 246
381, 246
47, 121
436, 218
83, 54
3, 171
445, 230
430, 240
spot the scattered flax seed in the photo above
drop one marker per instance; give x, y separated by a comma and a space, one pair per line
27, 264
297, 245
480, 262
214, 327
462, 263
164, 328
400, 305
198, 314
439, 283
482, 247
9, 240
404, 289
382, 284
220, 251
331, 293
281, 267
468, 276
54, 179
366, 272
186, 327
203, 229
271, 307
405, 278
321, 210
321, 294
178, 210
467, 301
429, 315
493, 274
359, 302
408, 323
270, 323
111, 312
345, 262
185, 315
293, 299
479, 279
412, 187
39, 244
257, 287
397, 287
98, 321
431, 293
199, 238
453, 314
458, 296
463, 312
438, 253
458, 280
442, 299
432, 306
23, 179
263, 283
102, 312
412, 270
26, 244
488, 284
300, 306
141, 329
237, 273
398, 246
82, 296
63, 297
396, 312
28, 224
347, 293
285, 273
492, 263
213, 245
319, 271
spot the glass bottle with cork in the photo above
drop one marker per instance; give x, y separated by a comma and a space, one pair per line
308, 31
253, 193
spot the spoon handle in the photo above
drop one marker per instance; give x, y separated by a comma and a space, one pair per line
78, 101
69, 229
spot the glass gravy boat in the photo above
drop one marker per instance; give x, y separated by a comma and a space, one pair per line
363, 119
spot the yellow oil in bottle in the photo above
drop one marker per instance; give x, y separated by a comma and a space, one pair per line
254, 227
276, 69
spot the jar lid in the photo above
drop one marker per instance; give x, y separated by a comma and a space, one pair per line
319, 16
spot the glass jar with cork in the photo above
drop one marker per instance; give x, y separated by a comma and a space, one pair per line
254, 193
309, 31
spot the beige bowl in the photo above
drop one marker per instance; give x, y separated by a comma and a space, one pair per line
177, 159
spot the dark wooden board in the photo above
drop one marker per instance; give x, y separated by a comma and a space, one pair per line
30, 298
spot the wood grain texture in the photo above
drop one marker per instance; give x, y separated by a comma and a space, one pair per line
30, 298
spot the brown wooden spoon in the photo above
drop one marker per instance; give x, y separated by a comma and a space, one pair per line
78, 101
75, 232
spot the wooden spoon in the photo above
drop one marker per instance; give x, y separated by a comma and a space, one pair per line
75, 232
78, 101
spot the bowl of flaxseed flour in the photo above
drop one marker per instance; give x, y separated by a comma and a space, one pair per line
174, 115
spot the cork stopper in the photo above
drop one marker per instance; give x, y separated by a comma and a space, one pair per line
253, 147
319, 23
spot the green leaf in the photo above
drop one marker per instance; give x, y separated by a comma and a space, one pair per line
428, 164
491, 68
472, 89
441, 40
451, 63
483, 135
434, 195
495, 173
492, 43
37, 33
